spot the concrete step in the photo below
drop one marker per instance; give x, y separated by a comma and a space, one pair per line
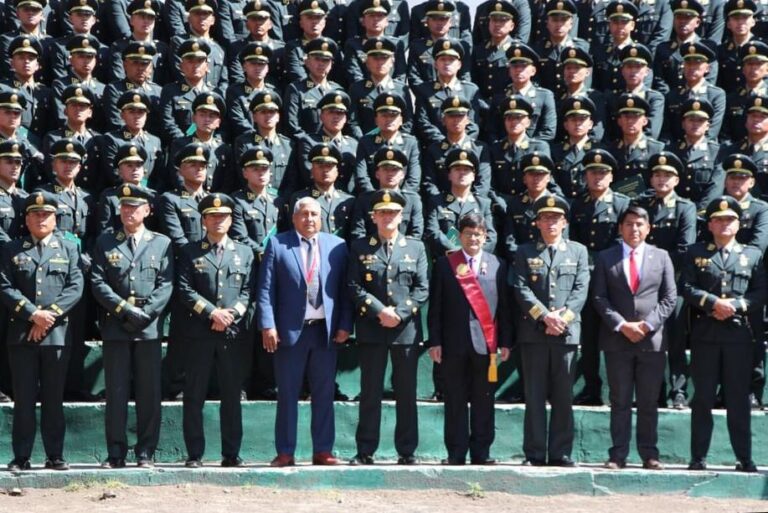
85, 434
508, 478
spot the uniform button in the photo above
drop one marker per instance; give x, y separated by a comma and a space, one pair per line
389, 292
133, 265
133, 292
389, 280
39, 292
221, 297
220, 271
132, 278
221, 284
39, 281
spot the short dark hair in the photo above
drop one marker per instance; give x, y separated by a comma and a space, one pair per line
635, 210
472, 220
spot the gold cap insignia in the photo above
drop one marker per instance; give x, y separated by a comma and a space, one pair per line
577, 105
498, 7
324, 46
39, 200
619, 8
259, 154
148, 3
209, 100
26, 43
440, 6
737, 163
78, 92
512, 104
740, 4
142, 50
133, 151
456, 102
314, 5
518, 52
136, 98
70, 147
630, 102
535, 160
258, 50
390, 155
550, 202
386, 198
324, 151
199, 152
572, 53
126, 191
696, 105
14, 98
633, 52
86, 43
338, 99
559, 5
662, 160
379, 45
216, 202
758, 102
723, 205
267, 98
390, 100
691, 49
446, 45
195, 47
15, 147
463, 155
684, 4
598, 158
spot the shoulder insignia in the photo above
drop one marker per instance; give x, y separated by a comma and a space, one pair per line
372, 241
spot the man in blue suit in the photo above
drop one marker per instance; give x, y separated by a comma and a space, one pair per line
303, 312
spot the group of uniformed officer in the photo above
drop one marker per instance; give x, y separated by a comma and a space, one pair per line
663, 103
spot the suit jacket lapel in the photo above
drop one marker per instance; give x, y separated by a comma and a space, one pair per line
296, 250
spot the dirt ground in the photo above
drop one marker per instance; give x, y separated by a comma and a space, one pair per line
212, 499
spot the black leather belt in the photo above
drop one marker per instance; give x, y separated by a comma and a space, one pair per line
312, 322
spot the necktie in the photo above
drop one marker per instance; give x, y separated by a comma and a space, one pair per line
132, 243
388, 248
219, 252
551, 253
634, 276
40, 247
724, 254
312, 277
472, 265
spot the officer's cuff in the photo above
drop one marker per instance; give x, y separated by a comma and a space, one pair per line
568, 316
537, 311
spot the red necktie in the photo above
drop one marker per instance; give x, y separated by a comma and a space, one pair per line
634, 277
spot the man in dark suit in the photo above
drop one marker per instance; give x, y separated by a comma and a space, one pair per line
215, 284
303, 312
633, 290
132, 280
39, 335
550, 282
724, 283
387, 277
469, 318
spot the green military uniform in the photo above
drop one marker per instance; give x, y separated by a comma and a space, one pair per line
39, 275
363, 94
284, 166
369, 144
548, 279
721, 350
380, 278
132, 283
214, 276
240, 93
108, 206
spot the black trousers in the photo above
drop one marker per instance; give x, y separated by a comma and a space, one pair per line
549, 371
728, 363
202, 355
634, 374
40, 369
466, 380
141, 361
590, 350
373, 364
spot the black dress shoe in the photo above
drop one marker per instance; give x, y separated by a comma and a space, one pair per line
144, 462
112, 463
697, 465
268, 394
56, 464
236, 461
754, 402
565, 461
532, 462
4, 398
452, 461
614, 464
483, 461
407, 460
361, 459
679, 402
585, 399
193, 463
17, 465
746, 466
